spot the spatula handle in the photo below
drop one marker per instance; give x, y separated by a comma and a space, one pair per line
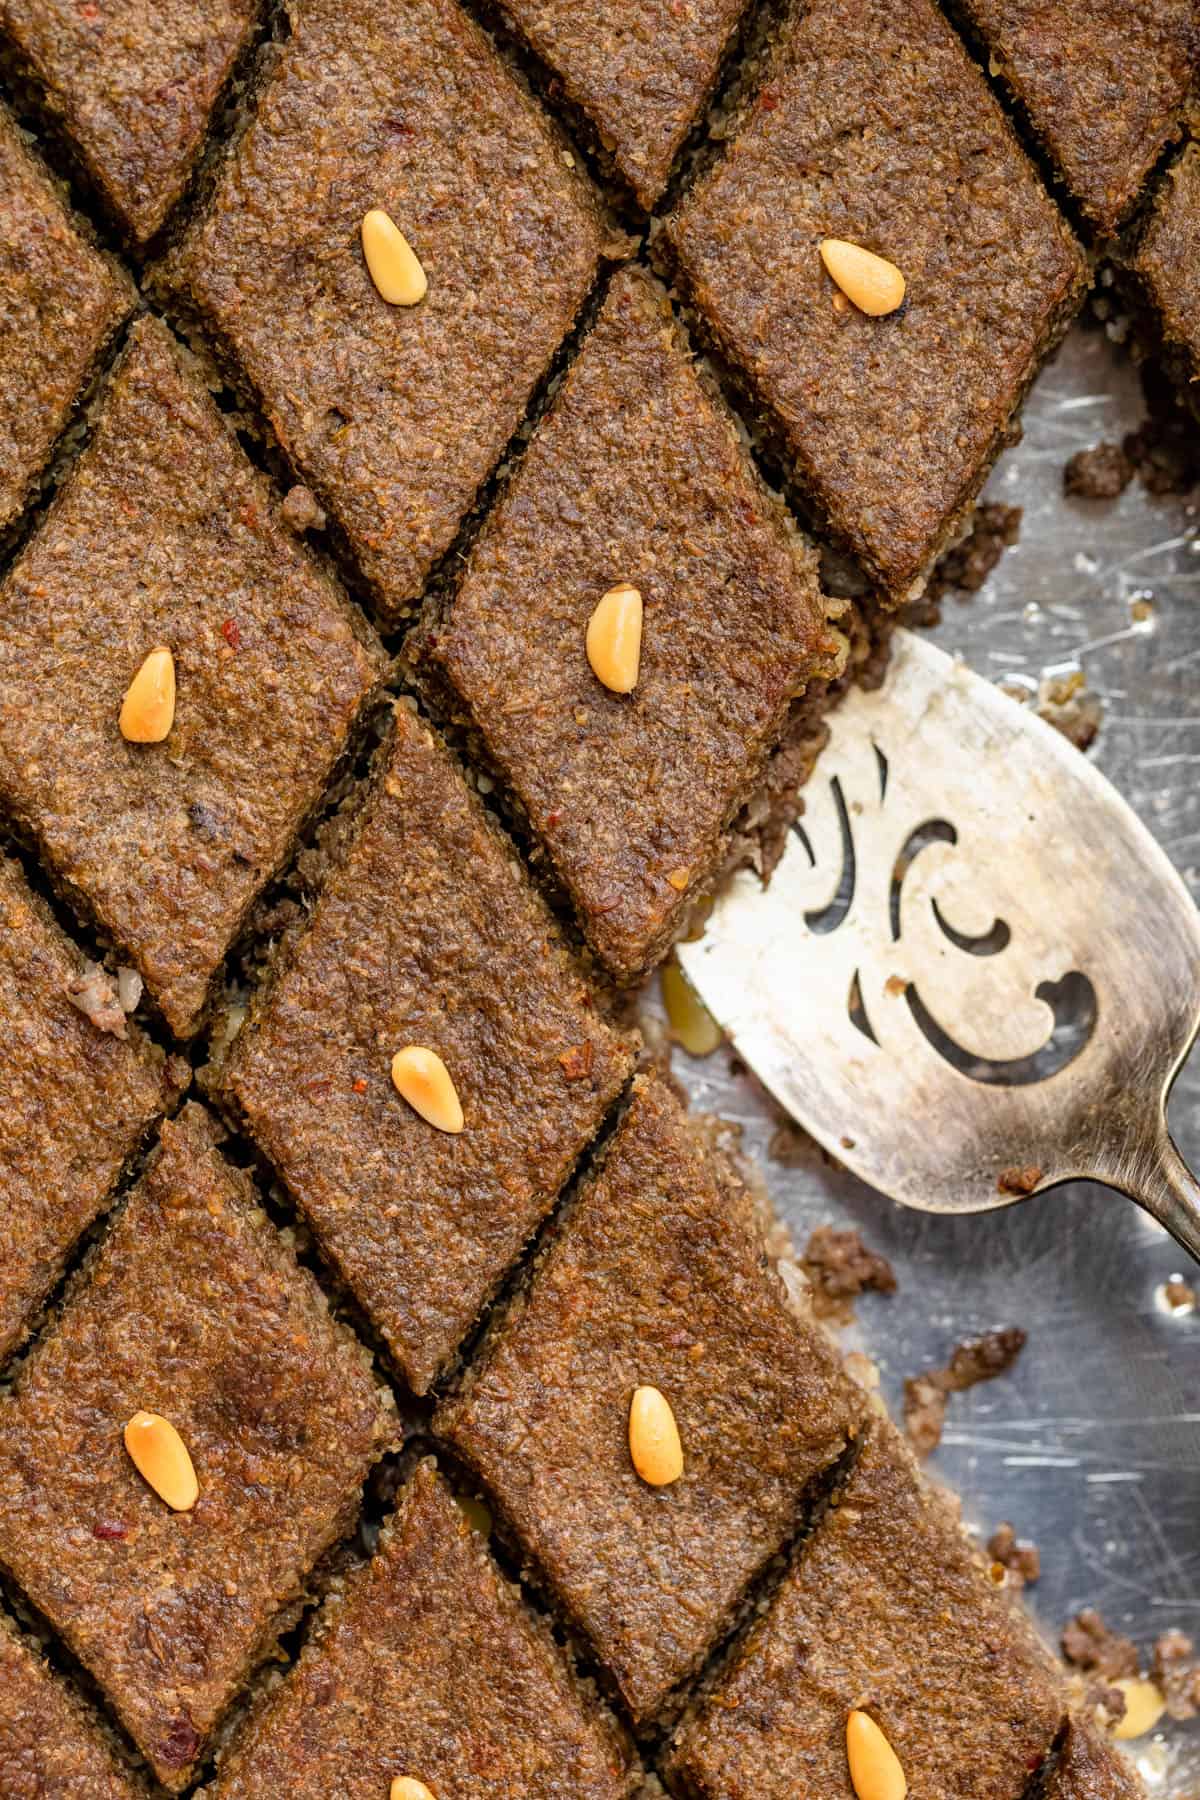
1166, 1187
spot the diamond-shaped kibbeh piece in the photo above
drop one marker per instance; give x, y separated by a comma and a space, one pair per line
1166, 267
164, 535
79, 1092
393, 414
873, 125
61, 300
50, 1742
1102, 83
641, 74
636, 476
429, 1665
132, 84
1089, 1767
886, 1609
194, 1309
427, 932
654, 1277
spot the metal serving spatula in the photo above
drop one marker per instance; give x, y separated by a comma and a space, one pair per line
974, 973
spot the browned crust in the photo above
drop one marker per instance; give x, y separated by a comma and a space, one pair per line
430, 1662
886, 1608
195, 1308
63, 301
50, 1742
164, 534
427, 932
419, 106
1090, 1768
131, 84
425, 921
641, 75
75, 1104
1102, 83
636, 474
655, 1276
1165, 265
872, 124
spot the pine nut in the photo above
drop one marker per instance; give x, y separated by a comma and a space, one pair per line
1144, 1707
148, 709
160, 1456
875, 285
679, 878
692, 1025
423, 1079
874, 1766
654, 1438
614, 639
407, 1787
391, 260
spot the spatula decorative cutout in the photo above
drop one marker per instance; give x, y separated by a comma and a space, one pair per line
974, 974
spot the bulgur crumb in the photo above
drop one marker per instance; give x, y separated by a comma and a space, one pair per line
1020, 1559
95, 995
1088, 1644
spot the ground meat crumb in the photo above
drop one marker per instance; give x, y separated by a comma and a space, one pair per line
983, 1358
840, 1267
1100, 473
1020, 1559
96, 997
975, 1360
301, 511
1179, 1294
760, 834
1079, 723
1165, 449
1101, 1700
994, 529
1166, 462
966, 565
1088, 1644
1175, 1672
790, 1146
1019, 1179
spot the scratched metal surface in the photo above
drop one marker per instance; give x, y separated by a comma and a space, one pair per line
1092, 1445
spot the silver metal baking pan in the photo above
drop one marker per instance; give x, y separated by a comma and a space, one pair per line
1091, 1446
